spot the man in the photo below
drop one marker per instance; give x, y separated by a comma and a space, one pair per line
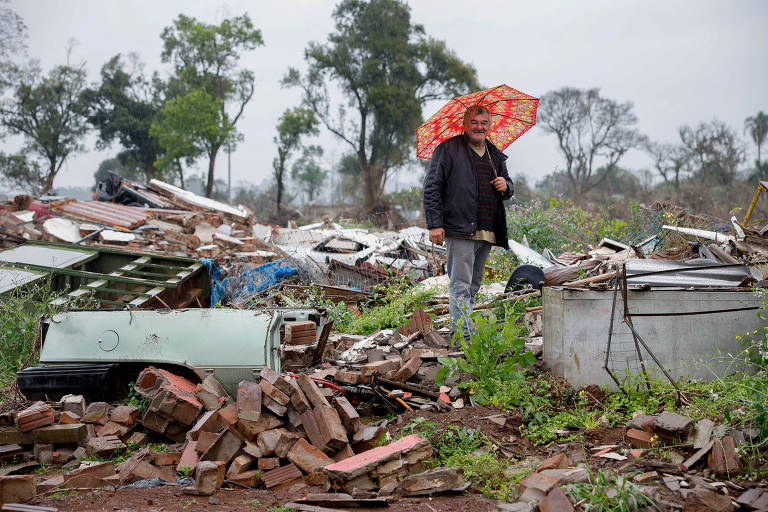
464, 190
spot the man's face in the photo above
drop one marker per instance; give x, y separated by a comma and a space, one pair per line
477, 128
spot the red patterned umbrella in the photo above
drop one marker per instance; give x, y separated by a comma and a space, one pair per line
512, 114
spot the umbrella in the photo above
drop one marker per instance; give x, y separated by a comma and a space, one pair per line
512, 114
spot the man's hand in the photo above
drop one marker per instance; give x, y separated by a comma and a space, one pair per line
500, 184
437, 235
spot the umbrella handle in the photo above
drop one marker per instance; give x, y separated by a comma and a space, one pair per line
490, 158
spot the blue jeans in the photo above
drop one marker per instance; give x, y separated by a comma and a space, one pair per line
465, 265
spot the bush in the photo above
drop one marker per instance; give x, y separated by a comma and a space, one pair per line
21, 310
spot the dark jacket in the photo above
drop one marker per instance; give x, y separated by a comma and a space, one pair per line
450, 190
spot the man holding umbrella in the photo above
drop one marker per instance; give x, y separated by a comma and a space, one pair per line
464, 190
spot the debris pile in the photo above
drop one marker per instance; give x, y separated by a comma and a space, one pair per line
279, 431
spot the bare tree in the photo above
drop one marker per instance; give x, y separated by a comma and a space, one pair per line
715, 149
671, 161
592, 132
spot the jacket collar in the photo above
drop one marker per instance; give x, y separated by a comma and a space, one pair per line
493, 149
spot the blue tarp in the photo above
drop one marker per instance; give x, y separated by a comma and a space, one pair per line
247, 283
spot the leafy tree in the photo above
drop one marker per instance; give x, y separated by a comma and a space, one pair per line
716, 151
592, 132
206, 57
386, 67
189, 127
123, 107
672, 162
307, 171
407, 198
293, 125
757, 126
13, 32
22, 172
47, 110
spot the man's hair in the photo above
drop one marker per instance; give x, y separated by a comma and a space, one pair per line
474, 110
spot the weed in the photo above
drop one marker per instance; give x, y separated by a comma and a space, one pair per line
601, 494
254, 503
492, 357
469, 449
63, 494
185, 470
136, 400
187, 502
21, 310
281, 508
160, 448
392, 313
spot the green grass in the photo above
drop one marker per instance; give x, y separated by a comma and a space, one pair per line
21, 311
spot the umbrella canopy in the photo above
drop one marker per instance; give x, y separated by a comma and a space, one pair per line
512, 114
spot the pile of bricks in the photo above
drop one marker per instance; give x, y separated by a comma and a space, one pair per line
279, 431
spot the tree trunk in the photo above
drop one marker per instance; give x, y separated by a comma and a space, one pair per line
279, 180
373, 188
48, 184
211, 168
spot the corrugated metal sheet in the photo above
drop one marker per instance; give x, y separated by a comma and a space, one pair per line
111, 214
680, 274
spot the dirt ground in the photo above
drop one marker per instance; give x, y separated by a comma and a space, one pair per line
507, 438
171, 499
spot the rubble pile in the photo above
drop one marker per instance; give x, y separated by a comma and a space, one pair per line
279, 431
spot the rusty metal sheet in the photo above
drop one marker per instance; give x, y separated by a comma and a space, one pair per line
111, 214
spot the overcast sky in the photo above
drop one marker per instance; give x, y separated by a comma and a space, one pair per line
680, 62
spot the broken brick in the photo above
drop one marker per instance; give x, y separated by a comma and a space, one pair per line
331, 429
280, 475
269, 463
17, 488
224, 448
89, 476
189, 457
58, 434
432, 481
408, 369
104, 447
285, 443
348, 378
250, 478
311, 391
639, 438
276, 380
723, 459
74, 404
248, 401
250, 429
307, 457
312, 430
381, 367
124, 414
211, 393
411, 449
112, 428
267, 441
559, 461
556, 501
272, 392
240, 464
96, 412
37, 415
349, 416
